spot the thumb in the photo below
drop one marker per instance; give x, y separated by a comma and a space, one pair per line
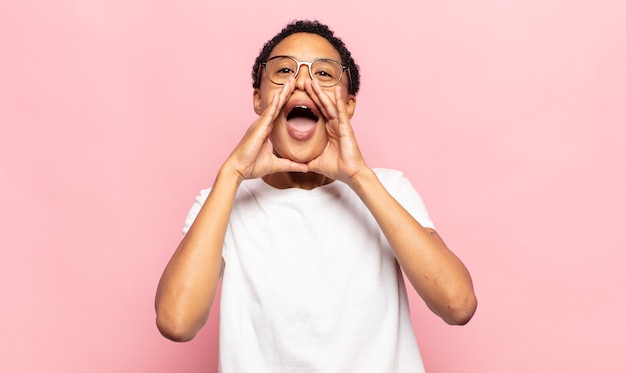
286, 165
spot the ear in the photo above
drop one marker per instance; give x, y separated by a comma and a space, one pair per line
256, 100
351, 105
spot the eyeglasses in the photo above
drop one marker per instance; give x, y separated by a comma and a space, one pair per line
326, 71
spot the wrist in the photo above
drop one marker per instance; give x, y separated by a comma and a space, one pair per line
363, 180
229, 175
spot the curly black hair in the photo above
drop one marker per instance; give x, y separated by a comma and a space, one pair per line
311, 27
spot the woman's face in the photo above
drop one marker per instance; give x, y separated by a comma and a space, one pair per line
298, 135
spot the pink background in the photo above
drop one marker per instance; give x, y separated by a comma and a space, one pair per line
508, 116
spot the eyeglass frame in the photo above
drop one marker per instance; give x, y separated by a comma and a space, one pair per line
308, 64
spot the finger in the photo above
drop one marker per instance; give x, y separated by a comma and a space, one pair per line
275, 106
286, 165
279, 100
285, 93
308, 85
324, 102
342, 108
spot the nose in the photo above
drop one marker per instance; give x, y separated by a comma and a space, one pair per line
302, 76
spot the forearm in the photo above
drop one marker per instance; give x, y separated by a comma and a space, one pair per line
189, 282
438, 276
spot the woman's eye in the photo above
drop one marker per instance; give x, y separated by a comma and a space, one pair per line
323, 75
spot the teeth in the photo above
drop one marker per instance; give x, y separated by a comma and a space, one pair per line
302, 111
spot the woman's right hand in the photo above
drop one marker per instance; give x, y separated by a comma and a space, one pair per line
253, 156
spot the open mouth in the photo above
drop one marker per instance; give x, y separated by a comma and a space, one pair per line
302, 113
301, 122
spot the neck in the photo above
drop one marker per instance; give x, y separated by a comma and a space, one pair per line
308, 180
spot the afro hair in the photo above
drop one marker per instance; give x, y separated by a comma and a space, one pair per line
311, 27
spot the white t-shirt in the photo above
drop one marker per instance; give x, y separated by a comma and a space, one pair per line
311, 284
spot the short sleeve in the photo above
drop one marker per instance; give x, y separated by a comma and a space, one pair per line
195, 209
403, 191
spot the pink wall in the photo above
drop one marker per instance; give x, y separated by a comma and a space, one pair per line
509, 116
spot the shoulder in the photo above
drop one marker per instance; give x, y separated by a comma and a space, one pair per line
401, 188
202, 196
387, 172
390, 178
195, 209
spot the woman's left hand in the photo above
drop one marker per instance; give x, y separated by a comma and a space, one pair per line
341, 159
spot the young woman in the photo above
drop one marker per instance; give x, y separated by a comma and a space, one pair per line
310, 241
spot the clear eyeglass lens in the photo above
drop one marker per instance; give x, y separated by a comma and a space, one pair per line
327, 72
